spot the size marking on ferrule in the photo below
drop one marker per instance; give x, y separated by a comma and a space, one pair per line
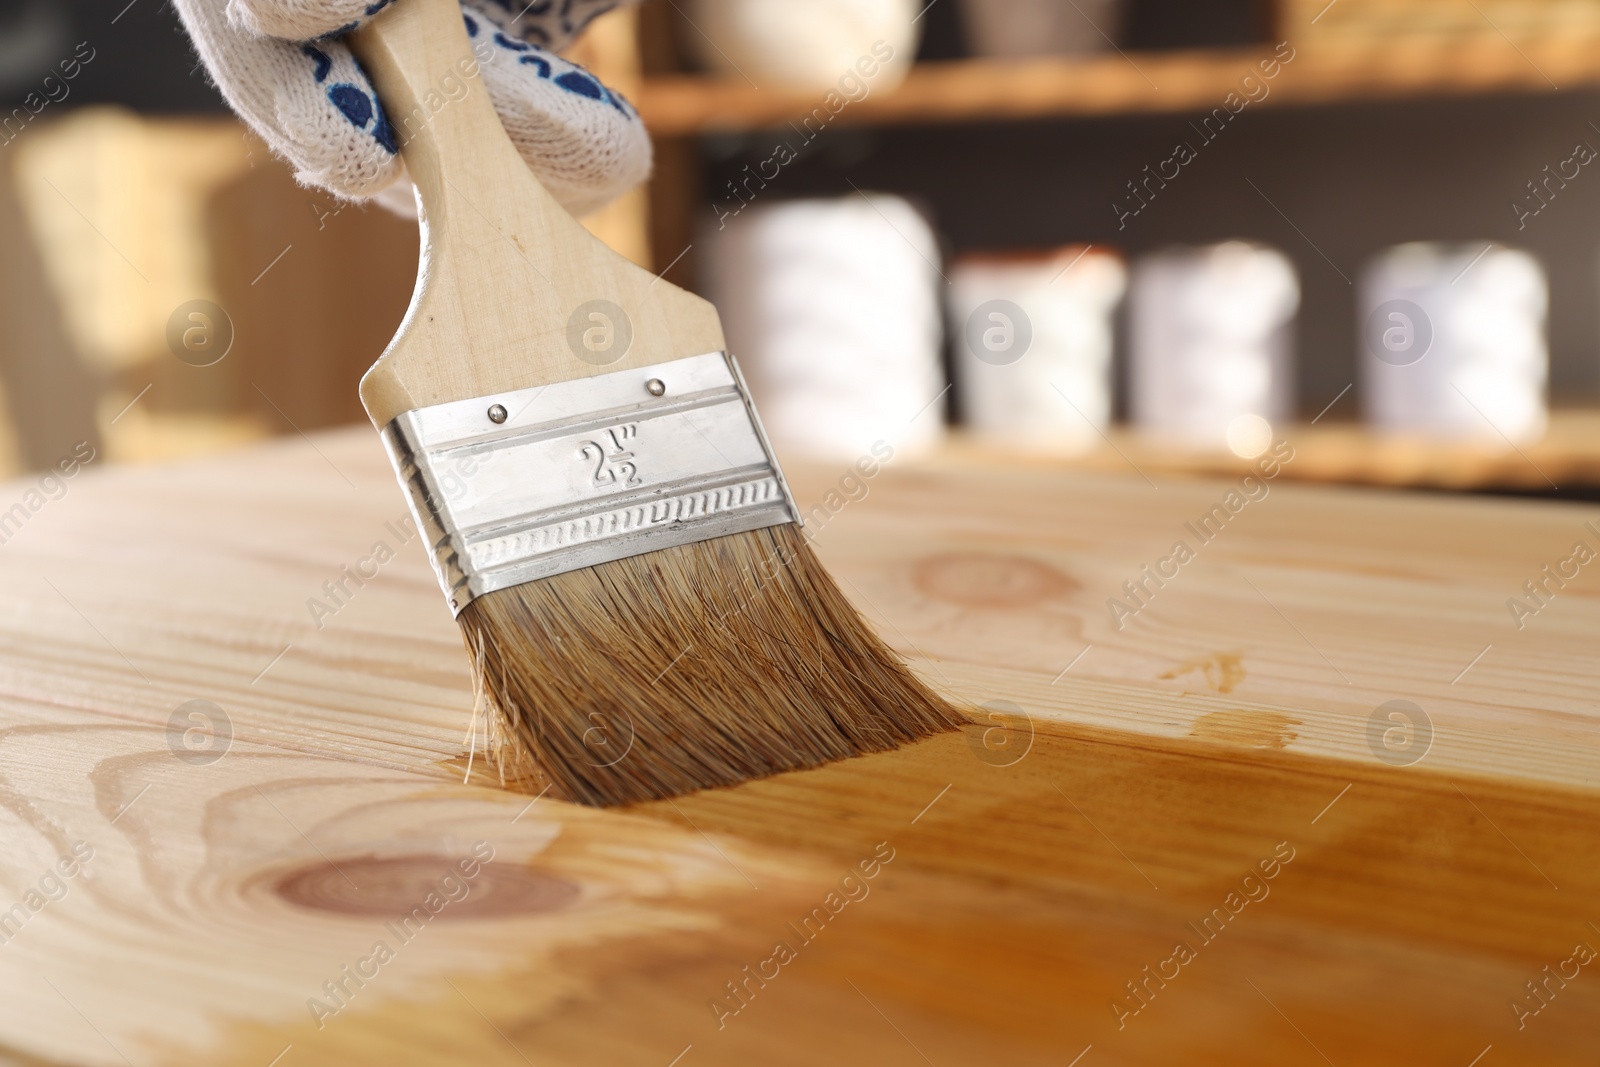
522, 485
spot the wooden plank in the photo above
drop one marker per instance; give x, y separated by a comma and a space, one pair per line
1039, 863
1165, 82
1565, 459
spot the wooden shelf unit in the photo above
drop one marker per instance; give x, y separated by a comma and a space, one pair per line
1328, 68
682, 105
1566, 461
1334, 62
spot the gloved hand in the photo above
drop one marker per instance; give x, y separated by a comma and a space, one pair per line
283, 67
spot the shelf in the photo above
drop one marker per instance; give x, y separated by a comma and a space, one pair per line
1566, 459
1113, 84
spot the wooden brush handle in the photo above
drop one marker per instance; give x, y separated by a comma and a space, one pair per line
504, 268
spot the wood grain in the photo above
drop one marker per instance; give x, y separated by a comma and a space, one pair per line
1040, 861
504, 268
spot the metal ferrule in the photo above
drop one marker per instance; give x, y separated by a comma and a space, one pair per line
522, 485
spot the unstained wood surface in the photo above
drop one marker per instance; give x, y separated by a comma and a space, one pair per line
1041, 861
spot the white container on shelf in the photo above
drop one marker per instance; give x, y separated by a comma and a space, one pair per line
1453, 342
832, 309
1032, 339
852, 46
1210, 341
1015, 29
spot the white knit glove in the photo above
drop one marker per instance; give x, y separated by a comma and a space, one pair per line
283, 67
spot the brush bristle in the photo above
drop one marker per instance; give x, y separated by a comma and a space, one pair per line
703, 665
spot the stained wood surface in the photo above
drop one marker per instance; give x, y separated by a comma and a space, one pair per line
1040, 862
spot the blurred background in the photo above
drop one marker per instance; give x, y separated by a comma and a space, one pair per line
1134, 235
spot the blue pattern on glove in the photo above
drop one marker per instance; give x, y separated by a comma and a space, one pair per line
358, 106
574, 81
362, 110
570, 27
354, 104
323, 62
382, 132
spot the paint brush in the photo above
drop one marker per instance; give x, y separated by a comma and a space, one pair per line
641, 609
